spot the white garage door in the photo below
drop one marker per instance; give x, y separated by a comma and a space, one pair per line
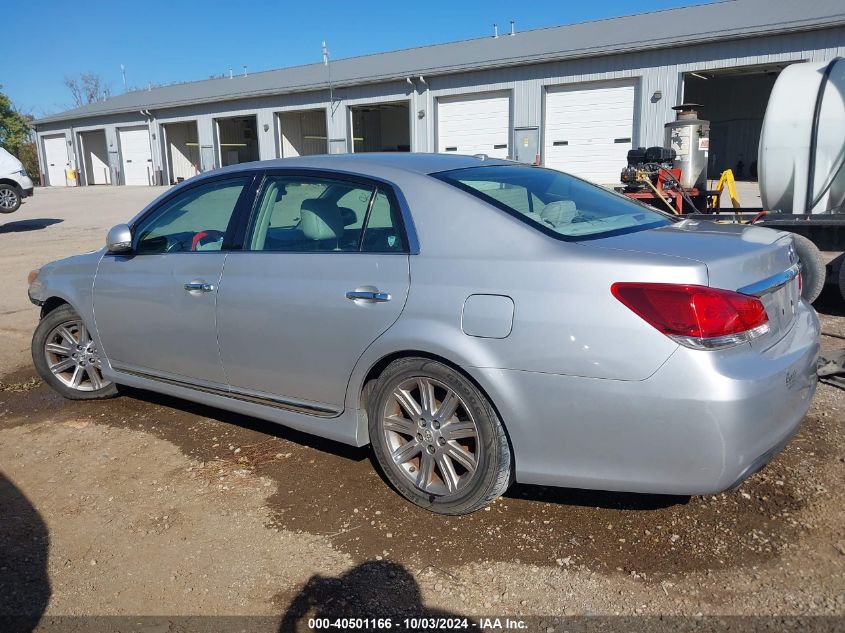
478, 124
588, 131
55, 152
135, 155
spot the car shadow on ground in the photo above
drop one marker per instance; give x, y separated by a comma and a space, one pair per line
21, 226
605, 499
373, 589
560, 496
24, 545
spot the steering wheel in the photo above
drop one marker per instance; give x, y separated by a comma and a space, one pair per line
171, 245
204, 237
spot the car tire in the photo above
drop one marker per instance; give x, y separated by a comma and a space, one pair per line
66, 359
813, 270
450, 456
10, 198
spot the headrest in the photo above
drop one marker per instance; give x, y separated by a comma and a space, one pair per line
559, 213
320, 219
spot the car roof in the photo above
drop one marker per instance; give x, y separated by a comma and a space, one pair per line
373, 164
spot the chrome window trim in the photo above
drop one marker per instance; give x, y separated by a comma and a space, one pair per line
270, 401
771, 284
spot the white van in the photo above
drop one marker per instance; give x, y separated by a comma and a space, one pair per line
15, 185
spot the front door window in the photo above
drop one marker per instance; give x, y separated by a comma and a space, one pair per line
195, 220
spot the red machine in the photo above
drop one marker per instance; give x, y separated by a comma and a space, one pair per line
650, 176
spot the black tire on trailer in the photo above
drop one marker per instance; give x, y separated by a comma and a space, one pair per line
842, 277
813, 269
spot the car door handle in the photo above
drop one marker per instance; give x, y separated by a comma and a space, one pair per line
199, 286
368, 295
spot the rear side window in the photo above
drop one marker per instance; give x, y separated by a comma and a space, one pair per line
309, 215
558, 204
383, 233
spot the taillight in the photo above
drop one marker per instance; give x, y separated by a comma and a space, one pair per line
696, 316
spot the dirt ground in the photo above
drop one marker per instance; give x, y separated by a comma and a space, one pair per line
150, 505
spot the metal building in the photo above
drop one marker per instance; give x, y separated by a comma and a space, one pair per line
573, 97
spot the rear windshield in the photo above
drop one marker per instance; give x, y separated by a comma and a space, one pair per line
558, 204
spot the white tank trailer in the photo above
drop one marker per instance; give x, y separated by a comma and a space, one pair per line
801, 167
801, 160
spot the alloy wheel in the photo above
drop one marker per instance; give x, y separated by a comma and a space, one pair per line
73, 358
431, 436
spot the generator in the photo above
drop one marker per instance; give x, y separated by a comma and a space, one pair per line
646, 162
673, 176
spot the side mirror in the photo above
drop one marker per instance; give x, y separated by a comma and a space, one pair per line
119, 239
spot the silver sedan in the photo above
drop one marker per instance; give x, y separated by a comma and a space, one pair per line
476, 321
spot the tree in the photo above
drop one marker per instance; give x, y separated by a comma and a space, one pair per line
28, 155
87, 88
15, 135
14, 126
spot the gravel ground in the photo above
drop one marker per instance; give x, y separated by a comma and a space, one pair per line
150, 505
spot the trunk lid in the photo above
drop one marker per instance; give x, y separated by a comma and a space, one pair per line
748, 259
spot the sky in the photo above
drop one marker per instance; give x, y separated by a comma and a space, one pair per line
166, 41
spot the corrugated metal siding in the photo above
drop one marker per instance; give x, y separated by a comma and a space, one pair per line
654, 70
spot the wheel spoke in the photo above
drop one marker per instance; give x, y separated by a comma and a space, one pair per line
426, 470
457, 453
84, 339
447, 472
58, 350
62, 365
407, 402
426, 395
76, 379
94, 377
400, 425
447, 407
68, 336
458, 430
406, 451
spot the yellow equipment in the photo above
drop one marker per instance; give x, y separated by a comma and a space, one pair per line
727, 178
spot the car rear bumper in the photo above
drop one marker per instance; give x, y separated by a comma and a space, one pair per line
700, 424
